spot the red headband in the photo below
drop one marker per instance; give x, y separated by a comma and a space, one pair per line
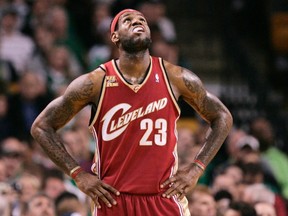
116, 18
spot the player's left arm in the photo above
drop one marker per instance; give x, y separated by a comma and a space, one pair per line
187, 85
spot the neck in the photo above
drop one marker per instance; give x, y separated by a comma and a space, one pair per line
134, 64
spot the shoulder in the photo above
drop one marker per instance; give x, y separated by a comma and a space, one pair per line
87, 85
182, 79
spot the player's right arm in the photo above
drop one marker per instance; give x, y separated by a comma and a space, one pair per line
81, 92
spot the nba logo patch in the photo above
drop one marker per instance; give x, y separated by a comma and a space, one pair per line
157, 78
111, 81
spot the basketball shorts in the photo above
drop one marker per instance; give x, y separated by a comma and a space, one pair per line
142, 205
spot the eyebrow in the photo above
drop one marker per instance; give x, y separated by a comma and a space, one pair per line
129, 14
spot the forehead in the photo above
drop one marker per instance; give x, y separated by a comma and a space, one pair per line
131, 13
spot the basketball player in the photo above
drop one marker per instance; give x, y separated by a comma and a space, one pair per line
134, 104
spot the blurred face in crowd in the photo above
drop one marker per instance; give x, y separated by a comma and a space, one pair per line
202, 205
41, 205
9, 22
13, 155
54, 187
265, 209
225, 182
232, 212
29, 185
31, 86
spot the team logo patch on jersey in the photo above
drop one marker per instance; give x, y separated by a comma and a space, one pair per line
111, 81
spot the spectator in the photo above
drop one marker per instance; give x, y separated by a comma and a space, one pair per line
186, 129
265, 209
45, 40
254, 174
5, 122
40, 204
26, 187
53, 183
101, 48
68, 204
260, 193
240, 209
62, 68
27, 103
13, 155
76, 144
14, 46
7, 197
227, 183
223, 199
8, 75
155, 12
64, 35
38, 15
201, 202
262, 129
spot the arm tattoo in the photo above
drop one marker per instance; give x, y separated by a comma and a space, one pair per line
56, 115
212, 110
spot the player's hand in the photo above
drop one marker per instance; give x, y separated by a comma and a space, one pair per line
181, 183
96, 189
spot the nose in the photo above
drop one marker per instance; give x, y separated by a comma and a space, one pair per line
136, 21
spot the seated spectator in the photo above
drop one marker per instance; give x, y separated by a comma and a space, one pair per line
277, 160
5, 122
155, 13
254, 174
186, 145
54, 183
27, 104
7, 198
12, 152
68, 204
76, 144
260, 193
62, 67
223, 199
227, 183
40, 204
201, 202
240, 209
26, 187
265, 209
14, 46
8, 75
64, 32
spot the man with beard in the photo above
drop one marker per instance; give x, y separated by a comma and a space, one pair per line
134, 113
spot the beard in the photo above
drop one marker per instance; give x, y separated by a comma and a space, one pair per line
135, 45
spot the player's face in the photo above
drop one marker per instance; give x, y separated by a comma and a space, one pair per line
133, 32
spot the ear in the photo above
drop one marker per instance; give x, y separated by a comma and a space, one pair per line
114, 37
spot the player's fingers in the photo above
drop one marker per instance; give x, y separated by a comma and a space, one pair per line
183, 193
107, 198
96, 202
111, 189
168, 182
172, 190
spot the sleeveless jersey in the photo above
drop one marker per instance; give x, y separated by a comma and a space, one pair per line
135, 130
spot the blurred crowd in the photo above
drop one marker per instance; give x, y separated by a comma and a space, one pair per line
44, 45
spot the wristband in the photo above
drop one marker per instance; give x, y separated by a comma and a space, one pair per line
199, 164
75, 171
